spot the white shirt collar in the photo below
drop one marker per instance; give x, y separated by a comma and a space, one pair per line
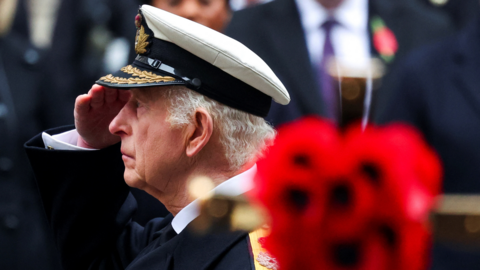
351, 14
234, 186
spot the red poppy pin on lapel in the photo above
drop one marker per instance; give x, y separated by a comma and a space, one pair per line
384, 39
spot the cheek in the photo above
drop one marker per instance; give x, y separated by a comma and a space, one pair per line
217, 8
178, 9
139, 145
134, 176
161, 154
215, 16
161, 4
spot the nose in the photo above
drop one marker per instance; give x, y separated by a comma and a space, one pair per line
120, 125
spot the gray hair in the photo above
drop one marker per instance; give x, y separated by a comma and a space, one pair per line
243, 136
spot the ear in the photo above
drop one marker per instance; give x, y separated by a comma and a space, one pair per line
198, 133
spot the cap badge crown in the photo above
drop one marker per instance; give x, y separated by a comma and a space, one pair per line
138, 20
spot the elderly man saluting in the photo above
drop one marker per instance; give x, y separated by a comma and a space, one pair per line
191, 104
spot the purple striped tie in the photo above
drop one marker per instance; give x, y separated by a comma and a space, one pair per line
329, 93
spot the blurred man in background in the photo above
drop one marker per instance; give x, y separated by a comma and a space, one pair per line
461, 12
25, 241
82, 33
214, 13
296, 36
437, 89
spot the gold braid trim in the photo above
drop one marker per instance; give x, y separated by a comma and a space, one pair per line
142, 77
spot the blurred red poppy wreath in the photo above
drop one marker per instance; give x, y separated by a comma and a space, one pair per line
353, 200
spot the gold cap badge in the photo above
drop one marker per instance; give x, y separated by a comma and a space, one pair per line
141, 42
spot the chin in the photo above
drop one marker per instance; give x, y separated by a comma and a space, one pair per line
132, 179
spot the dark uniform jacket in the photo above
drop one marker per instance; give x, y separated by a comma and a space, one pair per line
437, 89
90, 208
274, 32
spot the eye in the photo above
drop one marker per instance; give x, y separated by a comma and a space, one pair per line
138, 103
173, 3
141, 107
205, 2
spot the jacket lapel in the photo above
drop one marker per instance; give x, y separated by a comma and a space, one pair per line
288, 42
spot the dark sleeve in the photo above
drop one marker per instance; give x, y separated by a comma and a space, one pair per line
85, 199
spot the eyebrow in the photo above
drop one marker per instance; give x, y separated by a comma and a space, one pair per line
136, 94
141, 95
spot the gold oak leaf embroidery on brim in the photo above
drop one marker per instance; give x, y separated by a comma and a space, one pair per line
141, 41
141, 77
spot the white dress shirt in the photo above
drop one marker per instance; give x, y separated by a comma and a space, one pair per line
234, 186
350, 38
63, 141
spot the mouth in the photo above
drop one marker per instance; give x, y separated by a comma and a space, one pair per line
125, 155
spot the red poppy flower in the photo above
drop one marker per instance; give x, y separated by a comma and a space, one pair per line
358, 200
385, 42
384, 39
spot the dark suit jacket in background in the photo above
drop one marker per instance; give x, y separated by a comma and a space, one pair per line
274, 32
25, 238
24, 235
461, 12
82, 30
437, 89
89, 208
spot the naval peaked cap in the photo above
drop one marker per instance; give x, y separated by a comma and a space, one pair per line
176, 51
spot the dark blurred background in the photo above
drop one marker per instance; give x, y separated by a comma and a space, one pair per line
54, 50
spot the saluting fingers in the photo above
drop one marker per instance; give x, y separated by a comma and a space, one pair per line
124, 95
82, 105
98, 96
111, 95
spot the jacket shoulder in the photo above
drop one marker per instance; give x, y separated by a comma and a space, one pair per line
247, 19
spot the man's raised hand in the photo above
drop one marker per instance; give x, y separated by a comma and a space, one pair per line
93, 113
